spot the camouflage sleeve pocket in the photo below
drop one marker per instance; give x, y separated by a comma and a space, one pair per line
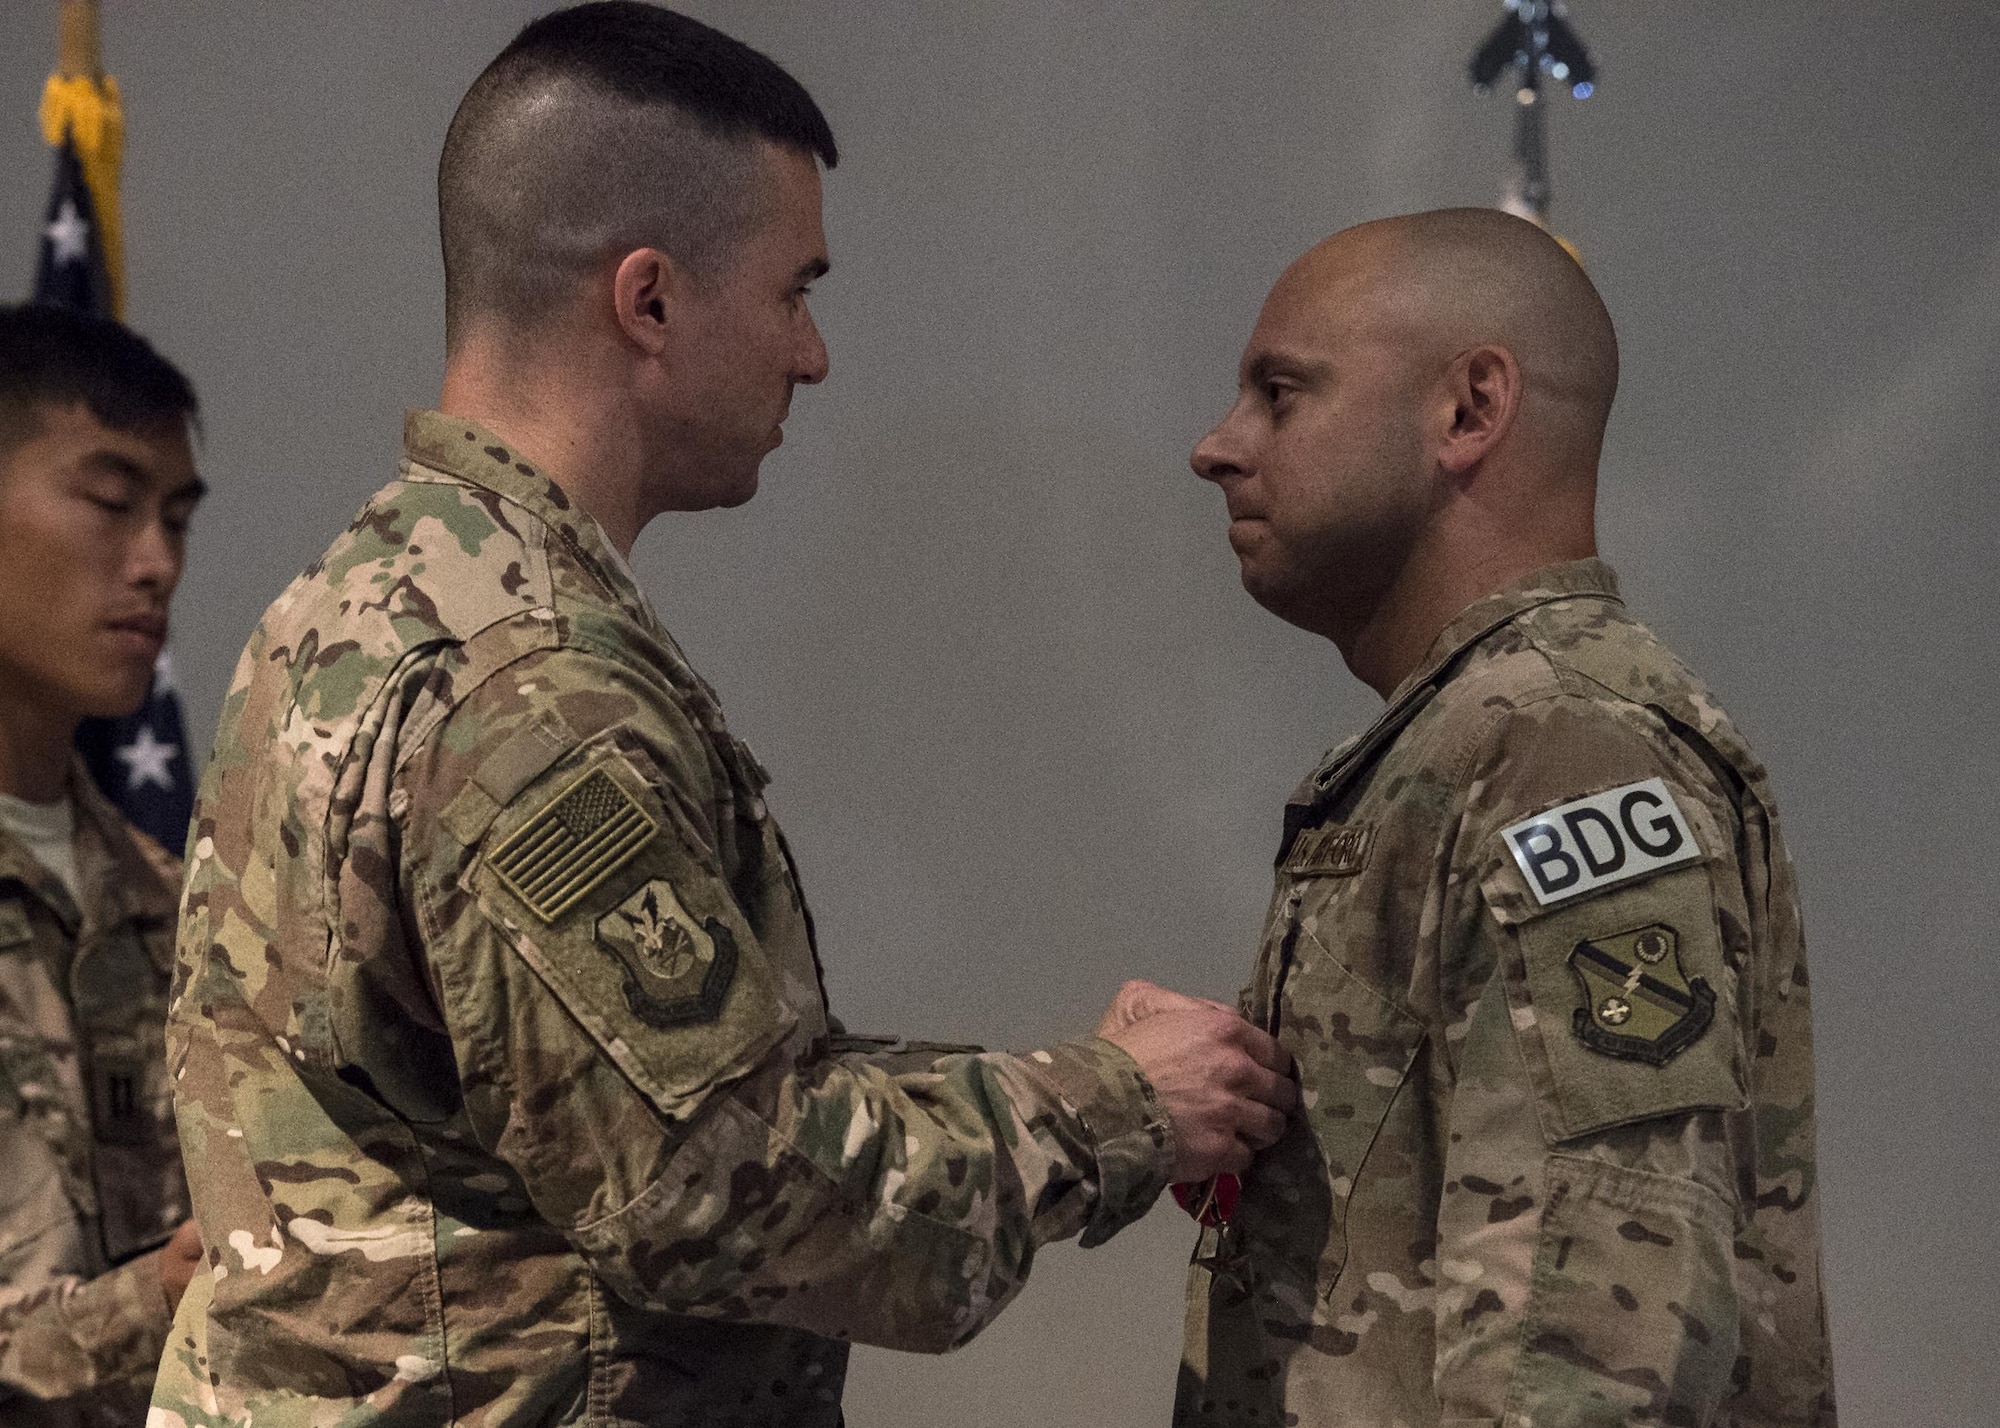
1632, 1315
604, 888
1621, 998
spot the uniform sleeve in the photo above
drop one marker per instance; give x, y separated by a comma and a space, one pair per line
1588, 1220
628, 1047
64, 1339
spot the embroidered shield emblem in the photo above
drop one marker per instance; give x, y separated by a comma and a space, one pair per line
677, 970
1639, 1004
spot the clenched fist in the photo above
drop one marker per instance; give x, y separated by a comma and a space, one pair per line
1226, 1085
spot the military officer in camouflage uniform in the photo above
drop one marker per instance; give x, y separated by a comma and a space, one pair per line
97, 485
504, 1069
1535, 938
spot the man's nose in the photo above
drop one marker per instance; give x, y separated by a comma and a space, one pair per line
813, 362
155, 559
1215, 457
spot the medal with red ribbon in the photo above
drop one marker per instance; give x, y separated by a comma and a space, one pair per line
1211, 1202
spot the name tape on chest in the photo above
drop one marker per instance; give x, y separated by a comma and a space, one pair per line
1338, 851
1592, 843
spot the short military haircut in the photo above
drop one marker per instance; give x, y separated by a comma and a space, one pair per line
601, 129
52, 357
1485, 275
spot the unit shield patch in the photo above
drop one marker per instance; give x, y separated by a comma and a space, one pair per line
1639, 1004
677, 971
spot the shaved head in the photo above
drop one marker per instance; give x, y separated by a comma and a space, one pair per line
1439, 283
1420, 408
600, 130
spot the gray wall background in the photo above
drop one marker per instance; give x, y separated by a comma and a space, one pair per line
1031, 736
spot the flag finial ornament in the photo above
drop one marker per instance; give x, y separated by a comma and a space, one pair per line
1533, 42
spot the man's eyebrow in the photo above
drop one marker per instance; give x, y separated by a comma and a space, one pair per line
1266, 365
112, 464
124, 468
815, 270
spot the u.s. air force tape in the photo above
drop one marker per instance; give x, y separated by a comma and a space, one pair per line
1592, 843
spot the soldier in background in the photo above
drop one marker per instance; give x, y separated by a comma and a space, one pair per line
97, 484
1535, 942
504, 1068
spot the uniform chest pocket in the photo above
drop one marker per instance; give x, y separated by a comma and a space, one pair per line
1354, 1049
118, 984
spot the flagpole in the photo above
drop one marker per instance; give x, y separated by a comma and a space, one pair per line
80, 40
1535, 41
81, 103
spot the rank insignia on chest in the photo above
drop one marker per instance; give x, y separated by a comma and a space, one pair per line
1639, 1003
677, 970
119, 1116
1337, 851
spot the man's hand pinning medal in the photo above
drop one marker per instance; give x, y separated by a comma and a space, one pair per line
1226, 1085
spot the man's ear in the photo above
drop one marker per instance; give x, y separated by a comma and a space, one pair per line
646, 290
1484, 387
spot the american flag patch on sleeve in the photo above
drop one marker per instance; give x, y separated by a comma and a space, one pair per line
581, 838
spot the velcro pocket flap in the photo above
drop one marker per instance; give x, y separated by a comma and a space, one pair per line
1624, 1005
605, 890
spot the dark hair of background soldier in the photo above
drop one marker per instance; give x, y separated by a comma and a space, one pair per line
598, 130
52, 357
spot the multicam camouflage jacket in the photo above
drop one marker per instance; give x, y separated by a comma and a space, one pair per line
503, 1066
1535, 945
92, 1180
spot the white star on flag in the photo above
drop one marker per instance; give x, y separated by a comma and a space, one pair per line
69, 234
146, 760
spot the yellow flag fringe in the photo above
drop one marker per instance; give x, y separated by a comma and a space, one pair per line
88, 109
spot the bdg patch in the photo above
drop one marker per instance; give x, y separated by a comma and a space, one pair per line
585, 834
1337, 851
1593, 843
676, 970
1639, 1004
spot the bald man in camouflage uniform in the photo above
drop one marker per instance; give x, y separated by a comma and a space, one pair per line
503, 1062
1535, 937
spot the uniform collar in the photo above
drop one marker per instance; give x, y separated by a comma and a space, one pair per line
119, 869
19, 865
1587, 579
1590, 578
115, 877
469, 452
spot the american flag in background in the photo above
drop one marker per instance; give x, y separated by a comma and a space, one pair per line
140, 761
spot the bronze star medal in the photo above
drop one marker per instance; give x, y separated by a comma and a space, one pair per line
1639, 1004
